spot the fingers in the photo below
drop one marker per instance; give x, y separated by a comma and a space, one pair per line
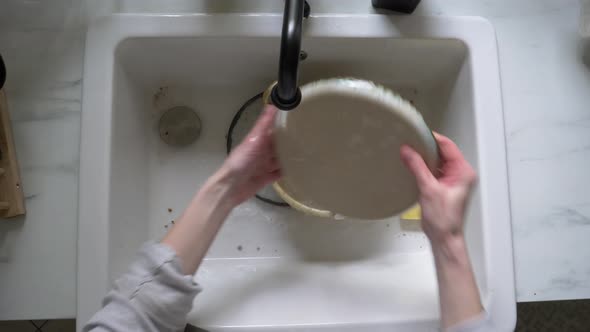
273, 165
273, 176
265, 122
417, 166
448, 149
267, 178
455, 164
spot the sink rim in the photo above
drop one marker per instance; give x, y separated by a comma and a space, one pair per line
105, 34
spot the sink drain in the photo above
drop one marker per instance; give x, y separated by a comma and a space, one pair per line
179, 126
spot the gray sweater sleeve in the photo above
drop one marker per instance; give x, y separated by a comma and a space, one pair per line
153, 296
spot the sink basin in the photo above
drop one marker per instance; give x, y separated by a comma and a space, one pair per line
272, 268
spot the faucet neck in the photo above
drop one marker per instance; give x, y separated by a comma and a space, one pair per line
286, 94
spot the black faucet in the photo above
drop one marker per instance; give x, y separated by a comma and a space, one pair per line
286, 94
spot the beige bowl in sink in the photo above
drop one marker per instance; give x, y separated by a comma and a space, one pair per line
339, 150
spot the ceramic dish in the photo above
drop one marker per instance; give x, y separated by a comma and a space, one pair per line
339, 150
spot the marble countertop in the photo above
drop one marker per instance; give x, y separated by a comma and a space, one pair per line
545, 88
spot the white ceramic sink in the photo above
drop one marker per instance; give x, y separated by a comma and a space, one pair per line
272, 268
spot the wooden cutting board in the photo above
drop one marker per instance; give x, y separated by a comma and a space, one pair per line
12, 201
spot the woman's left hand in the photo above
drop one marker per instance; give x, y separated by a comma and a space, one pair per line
253, 164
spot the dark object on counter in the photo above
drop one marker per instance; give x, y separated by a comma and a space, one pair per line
403, 6
2, 73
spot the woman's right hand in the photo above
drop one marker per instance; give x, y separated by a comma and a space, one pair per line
443, 197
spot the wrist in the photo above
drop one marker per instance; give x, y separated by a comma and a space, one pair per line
451, 249
445, 238
219, 190
444, 233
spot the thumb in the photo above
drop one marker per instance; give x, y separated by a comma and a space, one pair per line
265, 121
416, 166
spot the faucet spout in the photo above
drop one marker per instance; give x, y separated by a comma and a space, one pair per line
286, 94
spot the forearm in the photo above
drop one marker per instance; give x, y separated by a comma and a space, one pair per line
194, 232
459, 296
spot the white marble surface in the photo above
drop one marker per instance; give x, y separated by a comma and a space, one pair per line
38, 252
547, 112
